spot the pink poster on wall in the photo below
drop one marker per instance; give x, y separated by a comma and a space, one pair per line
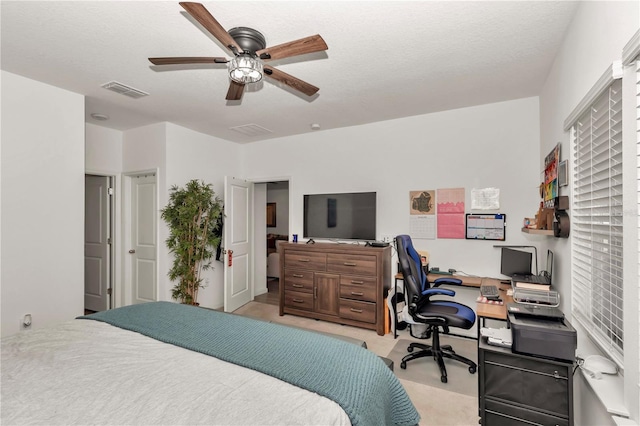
450, 210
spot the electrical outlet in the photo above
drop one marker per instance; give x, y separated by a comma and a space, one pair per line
26, 321
386, 238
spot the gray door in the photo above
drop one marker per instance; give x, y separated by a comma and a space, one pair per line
97, 238
144, 217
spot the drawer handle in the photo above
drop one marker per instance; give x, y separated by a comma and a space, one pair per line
298, 300
297, 285
357, 282
357, 311
357, 293
298, 275
303, 260
350, 264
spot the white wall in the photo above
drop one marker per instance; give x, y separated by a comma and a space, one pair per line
193, 155
103, 149
492, 145
42, 203
594, 40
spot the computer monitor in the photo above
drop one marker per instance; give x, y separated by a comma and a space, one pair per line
515, 262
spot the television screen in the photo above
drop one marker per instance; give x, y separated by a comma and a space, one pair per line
515, 262
345, 216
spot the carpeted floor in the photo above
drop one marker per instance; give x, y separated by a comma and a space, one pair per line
439, 404
425, 370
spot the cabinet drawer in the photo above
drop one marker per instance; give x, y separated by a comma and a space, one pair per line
498, 414
298, 280
359, 288
540, 385
359, 311
539, 365
297, 300
305, 260
351, 264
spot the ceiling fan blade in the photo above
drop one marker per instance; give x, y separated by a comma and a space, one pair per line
202, 15
235, 91
289, 80
309, 44
188, 60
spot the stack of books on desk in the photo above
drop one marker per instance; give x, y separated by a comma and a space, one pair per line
532, 286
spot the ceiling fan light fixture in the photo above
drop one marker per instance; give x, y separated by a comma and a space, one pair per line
245, 69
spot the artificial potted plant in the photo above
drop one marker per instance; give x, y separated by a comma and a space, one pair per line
192, 215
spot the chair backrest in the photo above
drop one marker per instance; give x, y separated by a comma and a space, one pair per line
412, 273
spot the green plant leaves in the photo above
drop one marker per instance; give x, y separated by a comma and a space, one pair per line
191, 215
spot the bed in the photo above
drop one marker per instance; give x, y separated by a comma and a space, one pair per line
167, 363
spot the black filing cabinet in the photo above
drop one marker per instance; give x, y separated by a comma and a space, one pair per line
517, 389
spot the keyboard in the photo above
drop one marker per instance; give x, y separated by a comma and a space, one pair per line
490, 291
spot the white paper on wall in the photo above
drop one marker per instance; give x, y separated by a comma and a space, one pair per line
485, 198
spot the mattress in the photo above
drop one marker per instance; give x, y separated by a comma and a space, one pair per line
94, 372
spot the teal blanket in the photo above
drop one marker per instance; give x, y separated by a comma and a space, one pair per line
355, 378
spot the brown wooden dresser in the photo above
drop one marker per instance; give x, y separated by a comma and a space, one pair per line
343, 283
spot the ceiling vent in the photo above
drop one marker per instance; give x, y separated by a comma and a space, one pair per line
120, 88
251, 130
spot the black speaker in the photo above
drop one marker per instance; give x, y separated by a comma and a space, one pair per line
561, 224
561, 203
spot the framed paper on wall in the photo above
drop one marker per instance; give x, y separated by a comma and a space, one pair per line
563, 178
271, 215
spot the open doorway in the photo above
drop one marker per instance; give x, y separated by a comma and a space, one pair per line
276, 228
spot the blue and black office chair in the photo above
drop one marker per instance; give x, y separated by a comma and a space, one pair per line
435, 314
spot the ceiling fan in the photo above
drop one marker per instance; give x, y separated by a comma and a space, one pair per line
249, 49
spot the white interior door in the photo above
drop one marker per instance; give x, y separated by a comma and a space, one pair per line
97, 233
143, 251
238, 262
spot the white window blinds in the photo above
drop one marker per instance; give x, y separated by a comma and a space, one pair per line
597, 214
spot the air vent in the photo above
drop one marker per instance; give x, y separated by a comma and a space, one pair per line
122, 89
251, 130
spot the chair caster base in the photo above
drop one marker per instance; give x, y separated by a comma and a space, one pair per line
472, 370
403, 365
443, 379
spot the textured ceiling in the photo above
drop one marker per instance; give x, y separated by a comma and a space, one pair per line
386, 59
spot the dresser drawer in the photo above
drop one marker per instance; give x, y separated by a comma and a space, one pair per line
298, 280
360, 288
305, 260
298, 300
352, 264
359, 311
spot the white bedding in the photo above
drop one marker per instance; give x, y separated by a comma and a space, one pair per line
89, 372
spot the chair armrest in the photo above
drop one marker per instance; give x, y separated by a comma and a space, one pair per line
450, 281
438, 291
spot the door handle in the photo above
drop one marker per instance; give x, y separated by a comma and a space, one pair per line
132, 251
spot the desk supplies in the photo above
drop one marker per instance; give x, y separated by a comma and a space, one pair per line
497, 336
526, 296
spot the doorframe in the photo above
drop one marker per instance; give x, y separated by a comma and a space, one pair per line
266, 180
115, 220
125, 288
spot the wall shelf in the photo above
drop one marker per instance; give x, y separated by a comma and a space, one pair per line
538, 231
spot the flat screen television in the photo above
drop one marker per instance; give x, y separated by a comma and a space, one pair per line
343, 216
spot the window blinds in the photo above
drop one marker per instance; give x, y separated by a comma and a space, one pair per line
597, 214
